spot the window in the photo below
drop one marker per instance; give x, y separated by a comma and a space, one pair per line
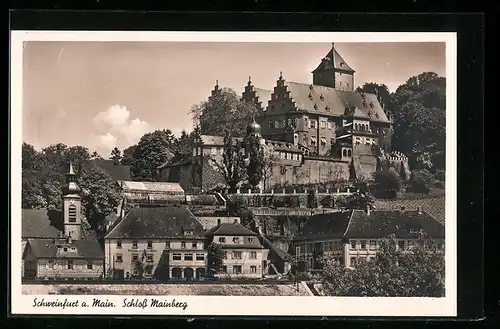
70, 264
150, 244
276, 124
363, 244
322, 124
253, 255
183, 245
167, 244
224, 269
271, 125
213, 150
323, 141
401, 244
250, 239
353, 261
236, 239
149, 257
135, 257
373, 244
236, 269
65, 249
353, 244
371, 259
72, 214
313, 124
118, 244
200, 257
306, 121
222, 239
119, 258
148, 269
313, 141
90, 266
176, 257
134, 244
282, 106
236, 255
362, 259
188, 256
225, 254
329, 125
253, 269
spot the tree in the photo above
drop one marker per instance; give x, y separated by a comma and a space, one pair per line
151, 152
312, 200
255, 154
419, 112
271, 160
215, 257
232, 167
223, 112
96, 156
116, 155
421, 181
359, 200
100, 195
387, 183
415, 272
378, 89
128, 155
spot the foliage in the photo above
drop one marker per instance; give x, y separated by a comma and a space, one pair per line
128, 155
116, 155
419, 108
440, 175
271, 160
387, 183
96, 156
215, 257
151, 152
379, 89
421, 181
312, 200
186, 142
223, 112
256, 158
418, 271
359, 200
139, 269
100, 197
327, 202
232, 166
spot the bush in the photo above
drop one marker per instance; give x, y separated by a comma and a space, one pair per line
204, 199
312, 200
440, 175
387, 183
421, 181
327, 202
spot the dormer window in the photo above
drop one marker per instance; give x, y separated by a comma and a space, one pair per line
236, 239
310, 96
376, 115
370, 113
371, 104
65, 249
327, 108
222, 239
321, 97
311, 87
364, 103
341, 64
315, 106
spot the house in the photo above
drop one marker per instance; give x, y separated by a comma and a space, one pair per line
354, 236
160, 243
244, 255
63, 259
41, 226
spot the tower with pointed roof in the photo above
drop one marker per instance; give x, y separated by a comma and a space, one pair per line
72, 206
334, 72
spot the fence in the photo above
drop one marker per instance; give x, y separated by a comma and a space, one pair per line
284, 191
264, 211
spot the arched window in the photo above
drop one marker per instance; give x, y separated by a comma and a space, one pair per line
344, 152
349, 153
356, 126
72, 214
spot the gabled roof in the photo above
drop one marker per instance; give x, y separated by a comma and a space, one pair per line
333, 102
156, 222
47, 248
45, 223
116, 171
333, 60
264, 95
177, 161
379, 224
283, 255
230, 229
152, 187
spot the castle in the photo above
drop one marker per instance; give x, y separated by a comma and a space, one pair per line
312, 133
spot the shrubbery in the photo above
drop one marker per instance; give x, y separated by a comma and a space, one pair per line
421, 181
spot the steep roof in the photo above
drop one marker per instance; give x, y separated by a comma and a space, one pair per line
116, 171
151, 186
277, 250
331, 101
156, 222
230, 229
333, 60
46, 248
379, 224
177, 161
45, 223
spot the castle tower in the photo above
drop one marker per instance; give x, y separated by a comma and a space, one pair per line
334, 72
72, 206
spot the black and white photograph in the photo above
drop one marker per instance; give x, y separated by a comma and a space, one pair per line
164, 173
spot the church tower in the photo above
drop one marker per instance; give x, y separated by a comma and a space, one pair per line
72, 206
334, 72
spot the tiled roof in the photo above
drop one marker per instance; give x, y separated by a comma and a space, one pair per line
156, 222
379, 224
264, 95
277, 250
44, 223
230, 229
331, 101
46, 248
117, 172
176, 161
151, 186
333, 60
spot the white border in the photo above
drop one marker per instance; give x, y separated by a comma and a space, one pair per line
254, 306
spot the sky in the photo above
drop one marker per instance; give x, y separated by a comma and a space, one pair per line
107, 94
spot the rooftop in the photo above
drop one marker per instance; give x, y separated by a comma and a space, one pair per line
116, 171
47, 248
158, 187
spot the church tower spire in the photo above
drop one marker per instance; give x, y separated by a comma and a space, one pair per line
72, 206
334, 72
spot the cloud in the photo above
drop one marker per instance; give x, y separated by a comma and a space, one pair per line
118, 129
